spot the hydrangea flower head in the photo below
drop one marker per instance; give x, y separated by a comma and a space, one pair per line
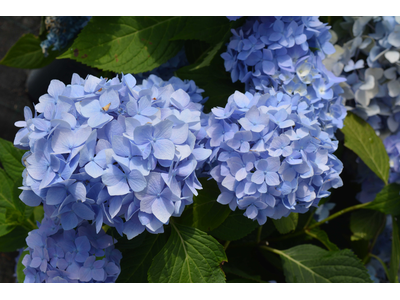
286, 53
270, 156
113, 152
368, 60
61, 30
76, 255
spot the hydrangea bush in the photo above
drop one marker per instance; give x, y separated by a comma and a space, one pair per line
201, 155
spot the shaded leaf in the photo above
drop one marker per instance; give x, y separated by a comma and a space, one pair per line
10, 158
5, 226
215, 81
395, 255
365, 224
38, 213
362, 139
209, 29
309, 264
228, 268
235, 227
206, 58
127, 44
286, 224
387, 200
195, 49
13, 240
323, 237
27, 54
190, 255
21, 267
205, 213
136, 263
6, 197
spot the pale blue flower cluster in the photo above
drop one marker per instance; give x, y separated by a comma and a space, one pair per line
286, 53
369, 61
61, 30
270, 156
76, 255
113, 152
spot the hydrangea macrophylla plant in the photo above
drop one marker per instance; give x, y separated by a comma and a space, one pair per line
113, 152
61, 30
286, 53
76, 255
270, 156
368, 60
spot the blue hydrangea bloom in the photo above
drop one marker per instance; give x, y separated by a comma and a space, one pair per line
270, 156
113, 152
61, 30
76, 255
286, 53
368, 60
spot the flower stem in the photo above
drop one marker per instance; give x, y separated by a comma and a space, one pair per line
371, 246
259, 234
381, 262
338, 214
303, 231
226, 245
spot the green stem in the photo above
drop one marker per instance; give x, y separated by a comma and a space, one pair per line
34, 226
371, 246
259, 234
226, 245
276, 251
381, 262
339, 213
310, 218
306, 228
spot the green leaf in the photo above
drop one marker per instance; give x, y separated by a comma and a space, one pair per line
208, 29
5, 226
21, 267
6, 199
13, 240
287, 224
127, 44
27, 54
206, 59
235, 227
195, 49
228, 268
366, 224
311, 264
136, 263
323, 237
38, 213
10, 158
362, 139
190, 255
205, 213
395, 255
387, 201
